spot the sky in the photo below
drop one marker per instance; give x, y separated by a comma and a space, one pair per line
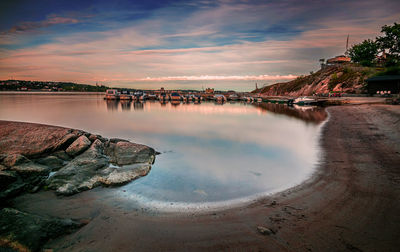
222, 44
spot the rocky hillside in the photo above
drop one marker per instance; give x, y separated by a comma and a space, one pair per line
344, 79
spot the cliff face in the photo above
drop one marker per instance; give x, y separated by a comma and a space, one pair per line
344, 79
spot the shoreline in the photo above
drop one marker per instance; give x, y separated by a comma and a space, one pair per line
351, 202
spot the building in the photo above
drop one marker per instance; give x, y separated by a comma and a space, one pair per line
338, 60
384, 83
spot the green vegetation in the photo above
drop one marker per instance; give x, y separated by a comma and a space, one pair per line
364, 53
388, 45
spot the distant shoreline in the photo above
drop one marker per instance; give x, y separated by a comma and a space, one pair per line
49, 93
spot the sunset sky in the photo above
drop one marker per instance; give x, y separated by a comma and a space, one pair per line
224, 44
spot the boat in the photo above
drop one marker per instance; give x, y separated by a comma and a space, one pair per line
125, 95
175, 96
304, 101
152, 97
233, 97
112, 94
248, 99
220, 98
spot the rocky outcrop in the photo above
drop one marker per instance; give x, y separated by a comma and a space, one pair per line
65, 160
21, 231
344, 79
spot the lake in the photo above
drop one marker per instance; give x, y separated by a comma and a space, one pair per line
211, 154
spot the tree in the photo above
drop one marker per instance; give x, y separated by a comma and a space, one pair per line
364, 53
390, 43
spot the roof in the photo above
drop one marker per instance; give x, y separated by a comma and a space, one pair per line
384, 78
340, 58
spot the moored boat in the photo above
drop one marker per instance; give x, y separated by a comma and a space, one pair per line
220, 98
175, 96
304, 101
112, 94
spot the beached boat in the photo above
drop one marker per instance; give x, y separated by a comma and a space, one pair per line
304, 101
112, 94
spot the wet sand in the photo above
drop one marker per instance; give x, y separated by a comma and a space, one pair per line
352, 203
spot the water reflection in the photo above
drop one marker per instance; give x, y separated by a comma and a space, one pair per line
210, 153
126, 105
311, 114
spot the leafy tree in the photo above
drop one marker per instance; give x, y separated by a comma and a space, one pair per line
390, 43
364, 53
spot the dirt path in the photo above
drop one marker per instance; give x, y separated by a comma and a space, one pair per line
351, 204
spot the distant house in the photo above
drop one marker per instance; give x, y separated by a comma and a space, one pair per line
338, 60
384, 83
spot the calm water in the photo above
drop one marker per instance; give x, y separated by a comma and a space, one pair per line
211, 154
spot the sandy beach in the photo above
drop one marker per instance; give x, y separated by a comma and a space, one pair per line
352, 203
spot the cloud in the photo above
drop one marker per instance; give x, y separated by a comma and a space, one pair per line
208, 77
49, 21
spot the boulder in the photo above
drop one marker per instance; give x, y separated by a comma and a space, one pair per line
78, 146
91, 169
14, 159
52, 162
265, 230
61, 154
79, 174
28, 169
118, 176
65, 141
123, 153
29, 232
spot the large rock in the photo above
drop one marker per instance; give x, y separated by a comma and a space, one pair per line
28, 169
14, 159
124, 152
29, 139
91, 169
78, 163
52, 162
78, 146
28, 232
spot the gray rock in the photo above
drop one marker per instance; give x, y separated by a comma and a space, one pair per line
29, 232
52, 162
92, 137
30, 168
118, 176
91, 169
14, 159
65, 141
61, 154
78, 146
80, 174
265, 230
123, 153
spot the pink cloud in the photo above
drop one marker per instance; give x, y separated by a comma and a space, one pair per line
211, 77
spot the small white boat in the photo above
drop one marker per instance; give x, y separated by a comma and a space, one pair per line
304, 101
